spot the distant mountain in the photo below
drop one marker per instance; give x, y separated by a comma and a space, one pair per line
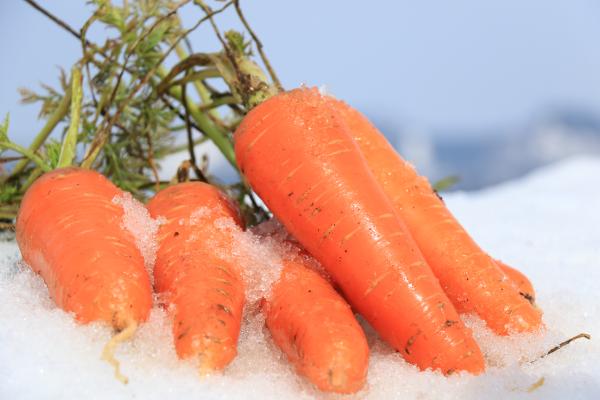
485, 158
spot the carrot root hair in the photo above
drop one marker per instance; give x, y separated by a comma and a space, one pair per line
108, 353
559, 346
206, 365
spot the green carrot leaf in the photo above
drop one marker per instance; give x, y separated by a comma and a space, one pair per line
4, 129
153, 38
69, 145
8, 193
446, 183
52, 151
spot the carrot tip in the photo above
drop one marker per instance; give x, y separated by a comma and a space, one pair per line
108, 353
536, 385
206, 365
338, 380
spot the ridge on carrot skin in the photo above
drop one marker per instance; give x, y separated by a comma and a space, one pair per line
298, 155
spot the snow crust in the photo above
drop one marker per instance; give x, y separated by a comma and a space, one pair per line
546, 224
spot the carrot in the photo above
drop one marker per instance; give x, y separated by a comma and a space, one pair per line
68, 231
298, 155
519, 279
470, 277
205, 291
314, 327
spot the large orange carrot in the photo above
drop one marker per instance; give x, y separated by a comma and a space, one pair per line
522, 283
69, 231
298, 155
470, 277
315, 328
205, 290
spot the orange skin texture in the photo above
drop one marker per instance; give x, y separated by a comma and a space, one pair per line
298, 155
522, 283
205, 291
69, 231
469, 276
316, 329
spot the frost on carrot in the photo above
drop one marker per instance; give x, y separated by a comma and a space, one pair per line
470, 277
298, 155
205, 291
69, 231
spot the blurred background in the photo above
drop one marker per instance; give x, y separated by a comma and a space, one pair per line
486, 91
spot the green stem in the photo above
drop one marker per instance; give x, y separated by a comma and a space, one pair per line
9, 215
203, 92
9, 208
181, 147
27, 153
67, 151
218, 103
214, 133
196, 77
55, 118
31, 178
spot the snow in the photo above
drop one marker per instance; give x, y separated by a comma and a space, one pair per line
137, 220
261, 258
546, 224
260, 255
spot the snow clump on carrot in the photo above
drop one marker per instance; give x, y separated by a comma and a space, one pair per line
137, 220
518, 348
260, 258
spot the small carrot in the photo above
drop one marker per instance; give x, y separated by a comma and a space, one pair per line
298, 155
315, 328
470, 277
69, 231
522, 283
205, 290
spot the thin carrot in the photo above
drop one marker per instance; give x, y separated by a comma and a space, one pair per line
470, 277
205, 290
522, 283
69, 231
298, 155
315, 328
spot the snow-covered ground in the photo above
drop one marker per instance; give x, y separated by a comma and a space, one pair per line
547, 224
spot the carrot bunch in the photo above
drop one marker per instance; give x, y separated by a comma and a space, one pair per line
324, 194
70, 231
397, 253
384, 237
204, 288
470, 277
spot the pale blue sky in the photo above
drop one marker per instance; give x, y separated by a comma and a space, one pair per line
462, 64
